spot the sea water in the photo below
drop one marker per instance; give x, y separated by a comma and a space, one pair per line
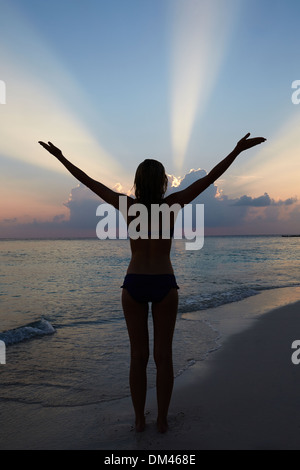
62, 322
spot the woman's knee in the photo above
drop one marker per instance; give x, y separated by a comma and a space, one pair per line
140, 357
162, 356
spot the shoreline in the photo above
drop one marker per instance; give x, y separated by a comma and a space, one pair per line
243, 395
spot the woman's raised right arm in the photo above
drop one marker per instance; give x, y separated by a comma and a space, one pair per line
191, 192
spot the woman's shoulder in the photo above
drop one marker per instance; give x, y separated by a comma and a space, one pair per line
171, 199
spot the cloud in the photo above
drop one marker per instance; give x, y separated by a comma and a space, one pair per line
82, 205
223, 215
12, 220
246, 214
263, 201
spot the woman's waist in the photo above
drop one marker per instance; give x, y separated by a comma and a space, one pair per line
141, 265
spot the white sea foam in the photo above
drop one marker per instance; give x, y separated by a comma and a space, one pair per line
32, 330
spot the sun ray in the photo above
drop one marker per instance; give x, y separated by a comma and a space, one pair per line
200, 34
275, 167
44, 102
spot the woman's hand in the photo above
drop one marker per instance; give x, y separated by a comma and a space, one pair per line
52, 149
245, 143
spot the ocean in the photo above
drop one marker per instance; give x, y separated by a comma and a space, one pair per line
62, 322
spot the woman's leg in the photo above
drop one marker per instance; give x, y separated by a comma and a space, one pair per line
164, 319
136, 316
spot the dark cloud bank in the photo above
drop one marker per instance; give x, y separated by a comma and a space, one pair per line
223, 216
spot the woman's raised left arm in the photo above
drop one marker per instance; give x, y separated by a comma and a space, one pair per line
107, 194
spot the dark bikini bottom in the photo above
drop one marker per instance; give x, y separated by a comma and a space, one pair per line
149, 287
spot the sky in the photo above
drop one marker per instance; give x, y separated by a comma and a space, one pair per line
112, 82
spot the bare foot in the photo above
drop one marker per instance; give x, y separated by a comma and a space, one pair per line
162, 425
140, 424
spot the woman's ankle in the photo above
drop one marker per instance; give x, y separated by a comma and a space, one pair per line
162, 424
140, 424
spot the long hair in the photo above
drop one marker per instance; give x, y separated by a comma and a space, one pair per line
150, 182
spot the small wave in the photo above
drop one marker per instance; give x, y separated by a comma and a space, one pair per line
32, 330
215, 299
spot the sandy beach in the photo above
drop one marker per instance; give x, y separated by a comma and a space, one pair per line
244, 395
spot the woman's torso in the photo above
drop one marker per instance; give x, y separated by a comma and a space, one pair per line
150, 255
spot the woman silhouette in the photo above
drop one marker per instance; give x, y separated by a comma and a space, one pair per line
150, 276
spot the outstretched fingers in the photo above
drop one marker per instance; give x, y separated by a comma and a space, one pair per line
43, 144
246, 143
51, 148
